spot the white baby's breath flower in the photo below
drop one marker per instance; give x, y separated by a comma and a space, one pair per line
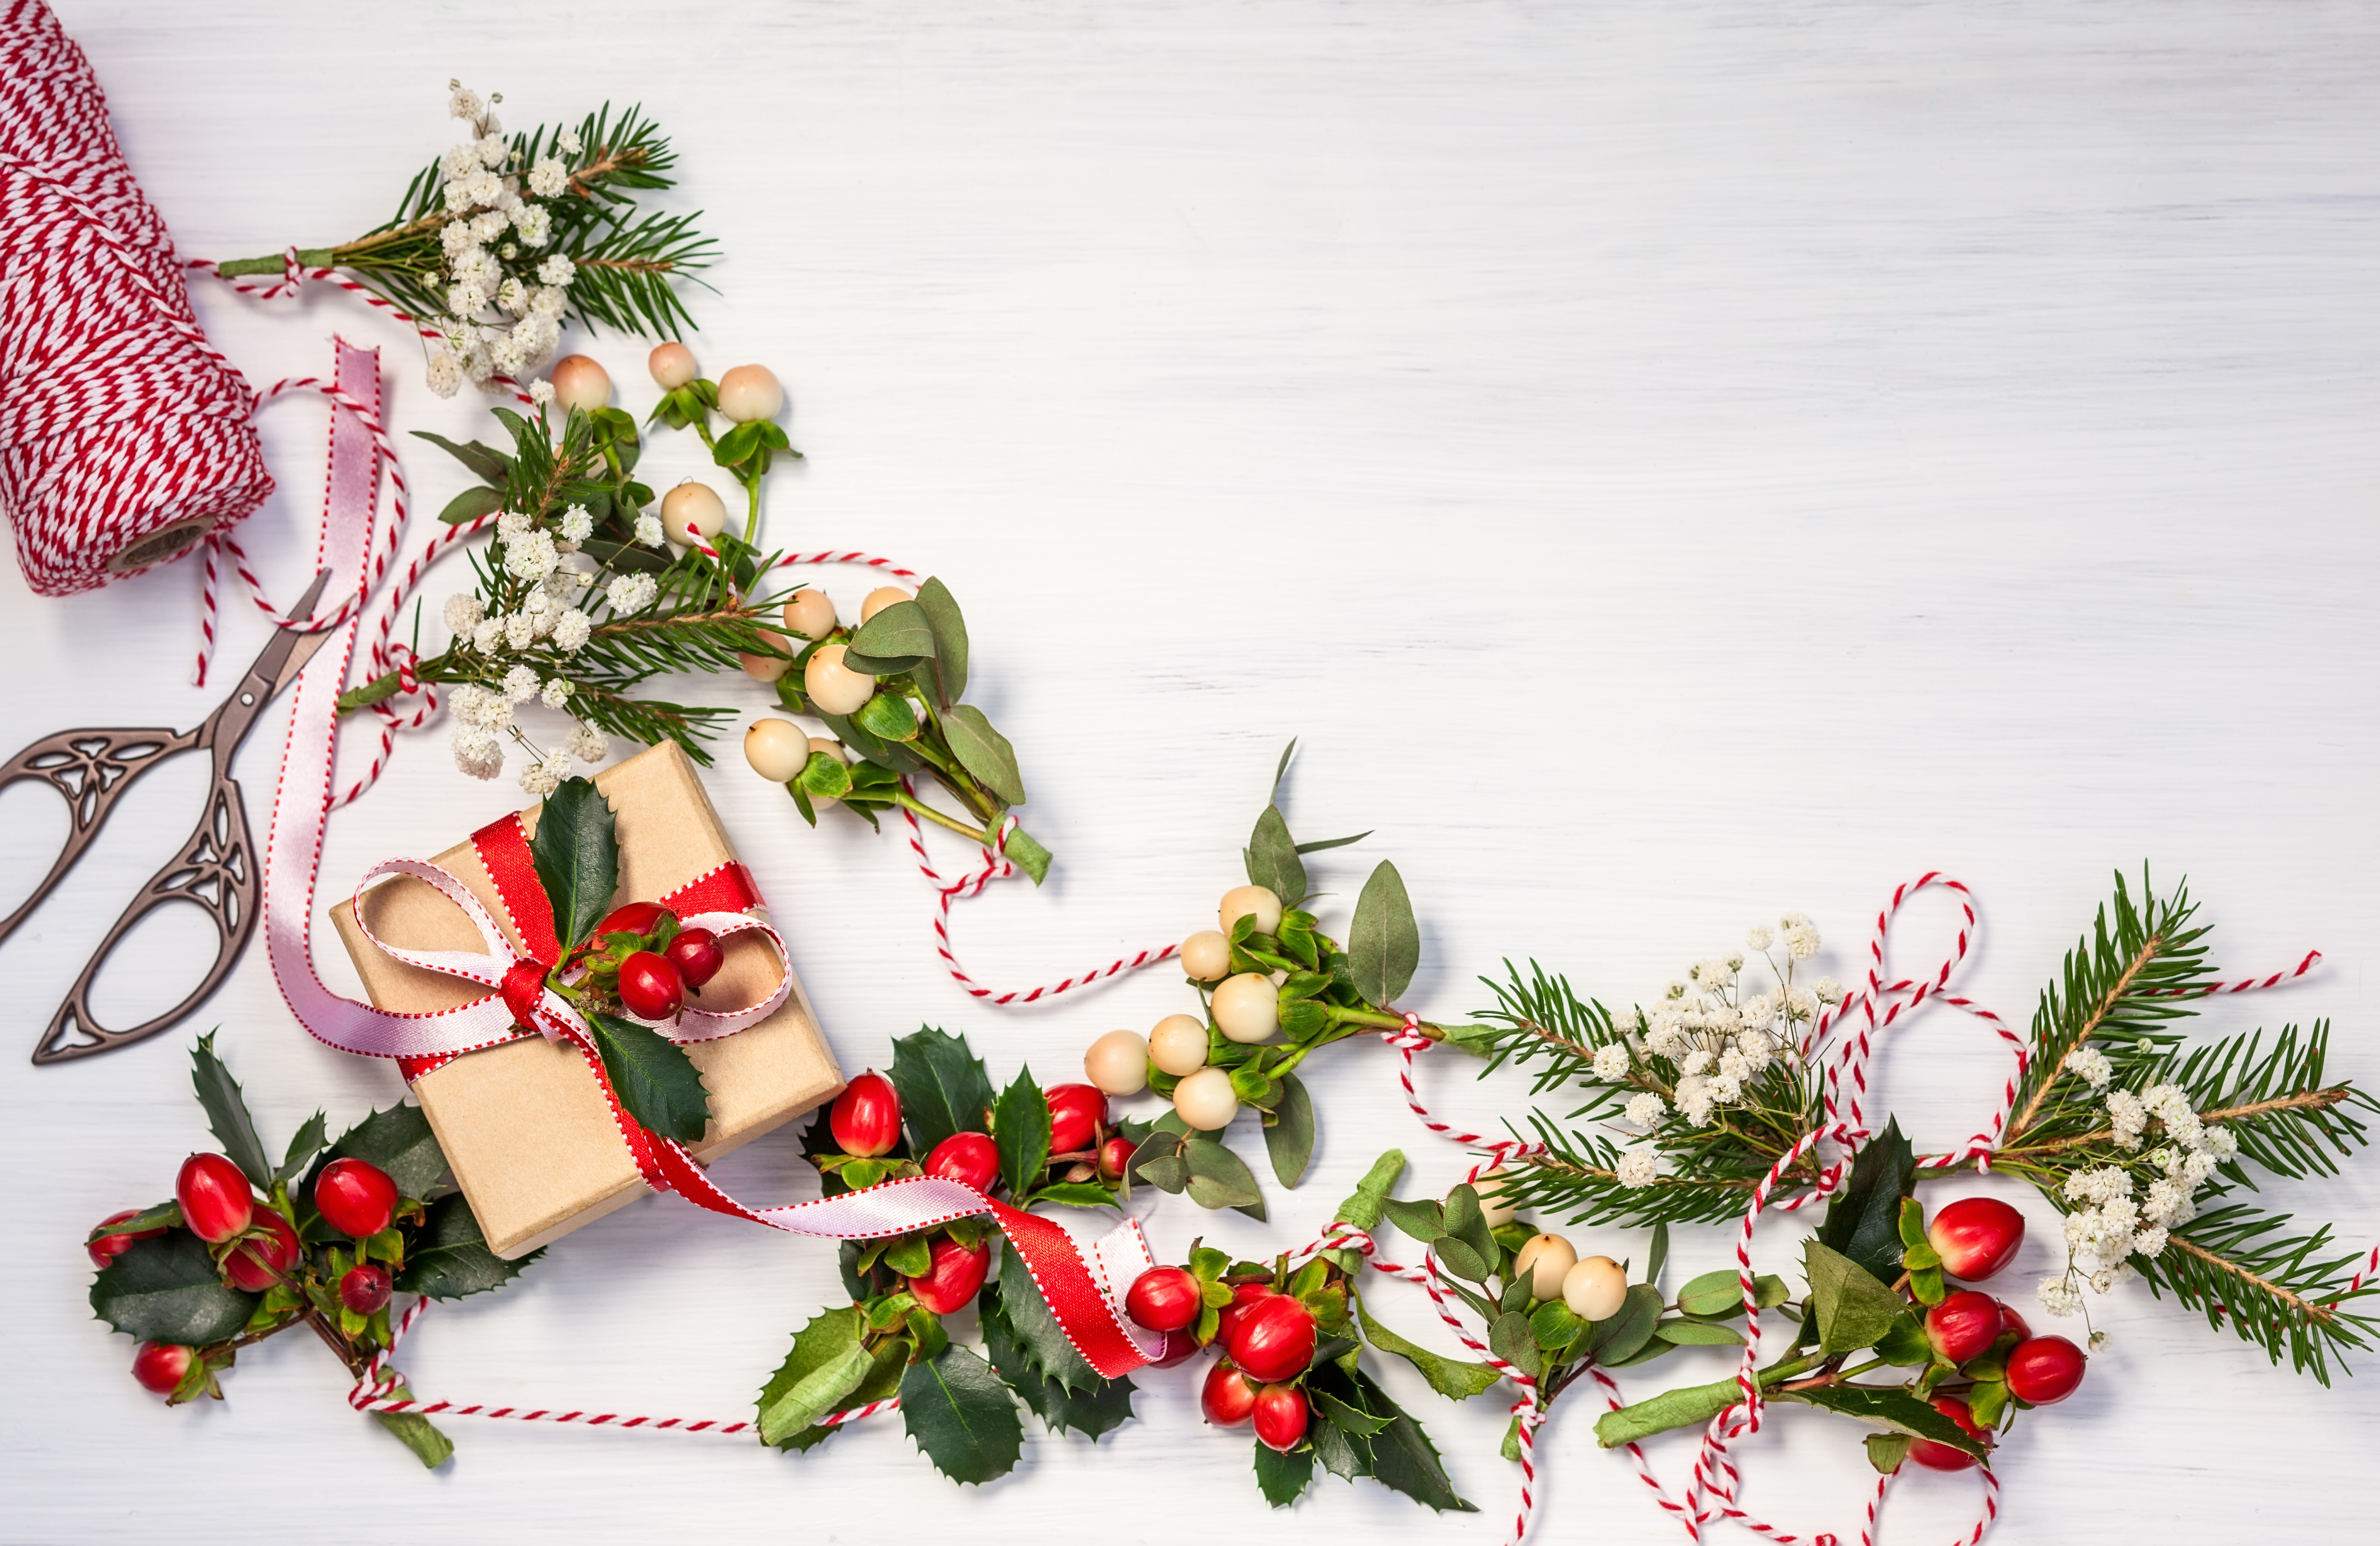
1694, 1097
466, 299
2059, 1296
512, 525
520, 684
649, 530
2222, 1143
478, 752
535, 223
548, 177
1611, 1062
1827, 991
444, 376
460, 161
567, 141
557, 270
1646, 1108
463, 612
589, 744
2150, 1241
1638, 1167
631, 592
1757, 938
489, 636
1802, 941
493, 151
2091, 1065
540, 779
2127, 1117
531, 555
556, 692
465, 103
520, 630
541, 392
512, 295
577, 524
481, 188
570, 631
490, 225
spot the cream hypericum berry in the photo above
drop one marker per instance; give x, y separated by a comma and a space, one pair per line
811, 613
1206, 1100
776, 749
878, 600
1206, 956
1243, 900
579, 382
1118, 1062
1246, 1007
1492, 1206
671, 365
1544, 1260
692, 505
767, 668
833, 687
1178, 1046
751, 392
1594, 1289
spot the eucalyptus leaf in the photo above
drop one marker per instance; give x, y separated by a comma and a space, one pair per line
1383, 944
1712, 1294
466, 507
1289, 1137
948, 671
1219, 1178
888, 717
901, 631
1271, 859
1554, 1326
984, 752
1698, 1334
1510, 1339
1625, 1331
1461, 1261
1423, 1220
490, 465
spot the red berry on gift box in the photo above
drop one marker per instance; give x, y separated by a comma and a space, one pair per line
1179, 1345
630, 918
524, 990
956, 1273
1975, 1236
364, 1289
160, 1366
2043, 1369
1115, 1155
1226, 1397
650, 987
215, 1201
969, 1157
1243, 1297
1163, 1299
256, 1264
107, 1248
1274, 1339
695, 955
1279, 1412
866, 1118
355, 1197
1946, 1457
1076, 1113
1963, 1325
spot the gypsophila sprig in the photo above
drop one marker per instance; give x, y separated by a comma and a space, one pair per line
502, 240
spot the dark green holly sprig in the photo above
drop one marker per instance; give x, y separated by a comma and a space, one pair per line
2107, 1052
959, 1402
165, 1285
913, 724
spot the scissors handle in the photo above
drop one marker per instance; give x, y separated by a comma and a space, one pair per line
90, 769
217, 871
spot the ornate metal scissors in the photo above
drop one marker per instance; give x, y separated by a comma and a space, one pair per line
216, 870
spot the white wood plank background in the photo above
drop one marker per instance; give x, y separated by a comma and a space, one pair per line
1669, 462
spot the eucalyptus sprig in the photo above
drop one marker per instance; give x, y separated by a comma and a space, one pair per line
499, 242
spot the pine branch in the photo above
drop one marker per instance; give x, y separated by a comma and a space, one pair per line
1575, 1181
2240, 1264
1544, 1022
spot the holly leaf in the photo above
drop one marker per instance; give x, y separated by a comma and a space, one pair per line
960, 1413
304, 1145
1289, 1132
1402, 1457
577, 858
1863, 1221
1383, 942
399, 1141
1890, 1407
1271, 859
1364, 1207
1029, 1316
943, 1086
449, 1258
1905, 1343
814, 1395
657, 1083
1020, 1128
227, 1116
1284, 1478
948, 671
1105, 1406
983, 751
167, 1289
819, 1345
1850, 1309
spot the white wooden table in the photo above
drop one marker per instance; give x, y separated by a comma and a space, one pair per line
1669, 462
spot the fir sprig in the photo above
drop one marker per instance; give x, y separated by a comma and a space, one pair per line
2280, 1288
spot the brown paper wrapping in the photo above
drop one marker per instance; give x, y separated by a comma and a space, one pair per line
524, 1125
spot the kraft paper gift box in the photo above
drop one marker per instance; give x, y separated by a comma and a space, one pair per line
525, 1125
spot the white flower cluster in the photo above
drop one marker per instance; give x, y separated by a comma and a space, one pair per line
2111, 1225
1718, 1038
491, 224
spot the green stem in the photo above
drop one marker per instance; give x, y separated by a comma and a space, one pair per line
1691, 1404
907, 801
308, 256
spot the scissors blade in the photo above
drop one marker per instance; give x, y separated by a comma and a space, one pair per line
275, 666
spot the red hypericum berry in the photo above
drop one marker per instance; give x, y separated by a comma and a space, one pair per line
524, 988
1243, 1297
650, 987
364, 1289
2043, 1369
255, 1265
866, 1118
958, 1272
1163, 1299
355, 1197
1279, 1412
1226, 1397
695, 955
2011, 1321
1274, 1340
1076, 1113
217, 1203
159, 1366
1115, 1155
630, 918
1963, 1326
1179, 1345
107, 1248
1943, 1457
1975, 1236
969, 1157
